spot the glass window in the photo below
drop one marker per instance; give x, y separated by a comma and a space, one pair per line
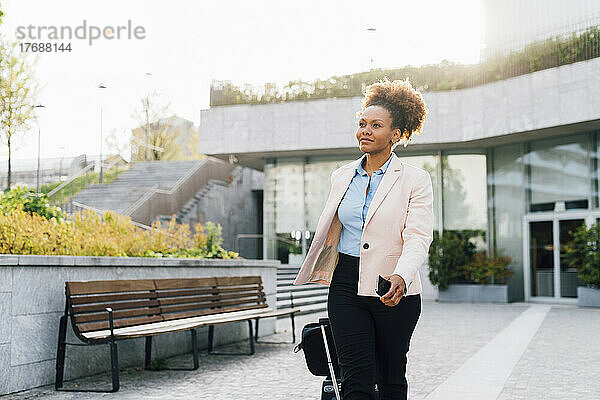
568, 276
295, 194
464, 187
283, 213
541, 258
508, 202
558, 174
596, 167
429, 164
318, 184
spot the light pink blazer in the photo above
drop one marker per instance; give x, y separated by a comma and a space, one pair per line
398, 229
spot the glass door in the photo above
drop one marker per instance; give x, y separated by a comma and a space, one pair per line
568, 276
541, 258
547, 243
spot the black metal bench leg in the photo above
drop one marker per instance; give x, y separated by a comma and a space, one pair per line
293, 328
281, 342
250, 337
114, 365
60, 354
60, 358
256, 329
195, 349
148, 357
196, 358
211, 336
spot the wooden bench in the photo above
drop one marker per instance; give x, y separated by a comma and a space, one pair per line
103, 312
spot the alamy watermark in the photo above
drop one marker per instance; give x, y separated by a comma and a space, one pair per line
84, 31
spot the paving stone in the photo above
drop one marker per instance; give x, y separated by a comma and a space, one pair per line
562, 361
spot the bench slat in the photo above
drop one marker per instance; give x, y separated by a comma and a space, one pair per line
93, 299
206, 282
180, 324
82, 318
115, 306
194, 292
196, 299
238, 280
192, 283
97, 287
96, 326
213, 305
174, 316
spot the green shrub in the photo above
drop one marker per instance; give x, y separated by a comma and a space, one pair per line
89, 234
32, 203
447, 255
484, 269
583, 253
453, 259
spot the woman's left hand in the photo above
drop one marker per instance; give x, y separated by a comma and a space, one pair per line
394, 295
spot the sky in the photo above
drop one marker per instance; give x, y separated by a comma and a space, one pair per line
188, 43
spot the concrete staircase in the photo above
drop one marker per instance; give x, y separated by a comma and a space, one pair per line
312, 297
192, 203
131, 185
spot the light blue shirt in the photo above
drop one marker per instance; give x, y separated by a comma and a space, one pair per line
354, 206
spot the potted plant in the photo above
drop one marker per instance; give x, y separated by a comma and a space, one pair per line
464, 275
583, 253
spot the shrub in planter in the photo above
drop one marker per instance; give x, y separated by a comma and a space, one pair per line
484, 269
453, 259
447, 256
583, 253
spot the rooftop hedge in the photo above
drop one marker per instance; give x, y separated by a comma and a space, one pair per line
446, 75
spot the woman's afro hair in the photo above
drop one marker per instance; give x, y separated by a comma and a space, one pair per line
404, 103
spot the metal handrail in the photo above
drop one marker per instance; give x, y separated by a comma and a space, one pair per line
138, 203
134, 207
101, 212
181, 180
68, 181
78, 174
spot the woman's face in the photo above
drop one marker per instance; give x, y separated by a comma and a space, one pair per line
375, 130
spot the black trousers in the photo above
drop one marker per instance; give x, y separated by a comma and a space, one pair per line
371, 338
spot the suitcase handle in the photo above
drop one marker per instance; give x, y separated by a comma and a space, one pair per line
323, 322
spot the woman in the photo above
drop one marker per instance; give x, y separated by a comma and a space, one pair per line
378, 220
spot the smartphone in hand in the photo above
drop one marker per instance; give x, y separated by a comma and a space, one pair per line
383, 285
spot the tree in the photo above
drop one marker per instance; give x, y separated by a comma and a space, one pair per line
114, 145
151, 137
17, 94
169, 138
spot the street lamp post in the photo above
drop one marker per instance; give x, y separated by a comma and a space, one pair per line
146, 129
147, 106
37, 178
101, 86
371, 29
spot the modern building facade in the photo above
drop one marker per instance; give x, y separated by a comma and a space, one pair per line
515, 162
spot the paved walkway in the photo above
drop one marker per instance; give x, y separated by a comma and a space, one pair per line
509, 351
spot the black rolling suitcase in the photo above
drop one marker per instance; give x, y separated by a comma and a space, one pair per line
321, 357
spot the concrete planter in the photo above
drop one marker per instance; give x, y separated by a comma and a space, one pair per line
472, 293
588, 297
32, 300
